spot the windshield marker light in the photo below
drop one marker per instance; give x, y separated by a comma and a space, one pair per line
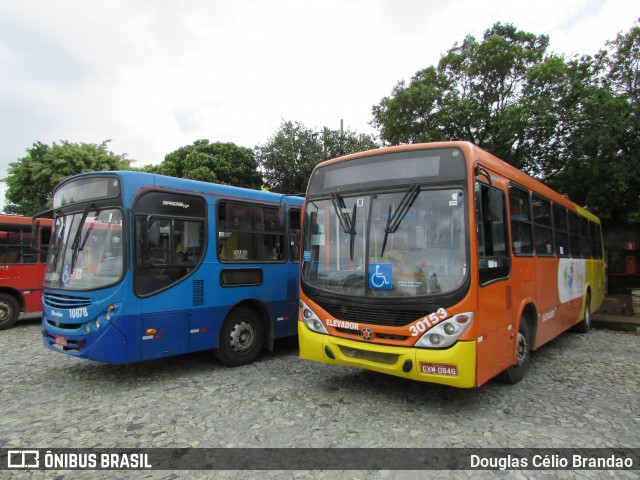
311, 320
446, 333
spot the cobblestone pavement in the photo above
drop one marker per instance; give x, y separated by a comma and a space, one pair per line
582, 391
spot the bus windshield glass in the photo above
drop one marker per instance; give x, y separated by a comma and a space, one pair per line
414, 244
86, 250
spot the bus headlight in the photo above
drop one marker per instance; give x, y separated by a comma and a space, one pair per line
446, 333
311, 320
87, 328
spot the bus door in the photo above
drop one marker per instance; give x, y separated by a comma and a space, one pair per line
496, 335
168, 278
293, 280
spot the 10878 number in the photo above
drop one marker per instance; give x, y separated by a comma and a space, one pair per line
78, 312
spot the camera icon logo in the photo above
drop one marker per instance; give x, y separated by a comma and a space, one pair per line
23, 459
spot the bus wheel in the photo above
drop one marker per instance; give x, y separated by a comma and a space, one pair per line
516, 372
585, 324
9, 311
241, 338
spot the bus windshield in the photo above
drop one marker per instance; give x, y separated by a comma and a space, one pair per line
414, 244
86, 250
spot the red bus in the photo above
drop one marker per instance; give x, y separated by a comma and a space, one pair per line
441, 263
21, 268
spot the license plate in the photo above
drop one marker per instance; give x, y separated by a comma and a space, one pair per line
60, 340
439, 369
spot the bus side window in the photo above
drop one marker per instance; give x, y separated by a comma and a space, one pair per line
249, 233
45, 238
561, 229
519, 206
167, 251
542, 229
574, 235
493, 253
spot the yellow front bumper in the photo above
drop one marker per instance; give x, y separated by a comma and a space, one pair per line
389, 359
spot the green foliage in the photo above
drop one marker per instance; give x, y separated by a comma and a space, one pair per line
31, 179
604, 173
574, 124
289, 157
473, 94
224, 163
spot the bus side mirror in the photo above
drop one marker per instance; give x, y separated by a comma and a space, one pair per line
35, 236
480, 171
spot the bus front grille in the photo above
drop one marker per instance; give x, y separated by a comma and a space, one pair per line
56, 300
372, 316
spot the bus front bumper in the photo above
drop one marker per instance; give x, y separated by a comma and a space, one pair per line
454, 366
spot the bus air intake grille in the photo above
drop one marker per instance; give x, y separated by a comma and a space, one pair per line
198, 293
372, 316
56, 300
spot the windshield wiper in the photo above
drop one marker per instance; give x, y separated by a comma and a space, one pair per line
76, 238
394, 221
348, 223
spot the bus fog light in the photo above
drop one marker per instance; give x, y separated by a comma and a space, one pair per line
446, 333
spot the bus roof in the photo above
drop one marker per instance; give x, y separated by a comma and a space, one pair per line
135, 182
18, 219
476, 154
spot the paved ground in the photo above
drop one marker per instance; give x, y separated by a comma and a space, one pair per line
582, 391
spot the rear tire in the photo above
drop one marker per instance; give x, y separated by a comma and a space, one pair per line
241, 338
585, 324
9, 311
516, 372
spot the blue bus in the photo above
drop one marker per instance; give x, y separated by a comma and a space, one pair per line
143, 266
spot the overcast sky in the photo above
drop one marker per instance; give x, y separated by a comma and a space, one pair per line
154, 75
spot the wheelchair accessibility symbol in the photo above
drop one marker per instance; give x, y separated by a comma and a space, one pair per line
381, 277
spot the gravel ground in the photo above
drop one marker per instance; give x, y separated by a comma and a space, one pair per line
581, 391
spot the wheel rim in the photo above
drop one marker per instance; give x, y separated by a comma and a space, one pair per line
242, 337
587, 314
5, 312
523, 348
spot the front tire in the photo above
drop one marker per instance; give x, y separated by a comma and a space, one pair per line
241, 338
516, 372
9, 311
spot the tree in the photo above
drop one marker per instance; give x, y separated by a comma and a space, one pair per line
604, 173
484, 92
289, 157
224, 163
31, 179
572, 123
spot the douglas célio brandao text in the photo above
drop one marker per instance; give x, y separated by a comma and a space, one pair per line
550, 461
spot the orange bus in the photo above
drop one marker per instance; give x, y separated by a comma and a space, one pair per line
441, 263
21, 268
